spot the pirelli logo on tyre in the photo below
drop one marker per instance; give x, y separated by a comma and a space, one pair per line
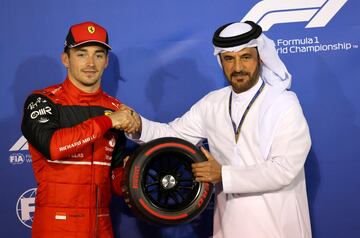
135, 177
204, 195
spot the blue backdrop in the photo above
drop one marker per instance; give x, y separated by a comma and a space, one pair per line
162, 62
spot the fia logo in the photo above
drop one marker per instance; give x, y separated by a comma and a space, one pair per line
317, 13
17, 158
25, 207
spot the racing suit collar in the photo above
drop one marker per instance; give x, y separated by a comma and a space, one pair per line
80, 95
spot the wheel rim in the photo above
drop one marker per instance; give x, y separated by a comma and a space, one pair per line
168, 181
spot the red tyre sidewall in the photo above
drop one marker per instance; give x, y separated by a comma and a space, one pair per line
134, 194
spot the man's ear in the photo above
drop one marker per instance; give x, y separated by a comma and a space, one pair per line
65, 59
107, 60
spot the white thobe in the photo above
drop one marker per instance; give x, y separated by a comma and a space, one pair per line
263, 191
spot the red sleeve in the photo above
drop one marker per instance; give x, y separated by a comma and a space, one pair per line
116, 178
67, 141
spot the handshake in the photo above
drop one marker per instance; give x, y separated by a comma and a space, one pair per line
126, 119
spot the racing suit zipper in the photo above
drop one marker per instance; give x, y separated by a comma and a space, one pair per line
96, 193
97, 209
93, 181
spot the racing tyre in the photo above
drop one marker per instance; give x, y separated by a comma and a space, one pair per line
159, 185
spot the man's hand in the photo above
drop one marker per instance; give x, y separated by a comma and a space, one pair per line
208, 171
135, 116
126, 119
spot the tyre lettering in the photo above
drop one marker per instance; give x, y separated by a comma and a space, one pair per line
204, 195
135, 177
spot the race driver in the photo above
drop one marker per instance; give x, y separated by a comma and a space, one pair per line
75, 142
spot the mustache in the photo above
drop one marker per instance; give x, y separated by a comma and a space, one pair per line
90, 69
241, 73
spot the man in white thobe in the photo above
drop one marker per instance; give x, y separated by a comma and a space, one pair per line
258, 140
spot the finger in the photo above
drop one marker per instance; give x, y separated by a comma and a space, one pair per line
203, 179
126, 160
134, 126
206, 153
131, 112
124, 125
137, 118
201, 169
131, 128
124, 107
202, 174
132, 119
200, 164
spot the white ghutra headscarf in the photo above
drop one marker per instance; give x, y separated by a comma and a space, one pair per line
236, 36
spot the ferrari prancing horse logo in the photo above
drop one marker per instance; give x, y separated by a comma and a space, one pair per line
91, 29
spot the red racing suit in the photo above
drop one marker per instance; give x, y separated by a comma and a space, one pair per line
73, 149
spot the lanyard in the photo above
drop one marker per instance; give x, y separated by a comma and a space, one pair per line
237, 131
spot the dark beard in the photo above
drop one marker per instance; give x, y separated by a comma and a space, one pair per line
253, 79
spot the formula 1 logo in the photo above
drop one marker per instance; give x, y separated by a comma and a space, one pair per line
20, 154
20, 144
316, 12
25, 207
